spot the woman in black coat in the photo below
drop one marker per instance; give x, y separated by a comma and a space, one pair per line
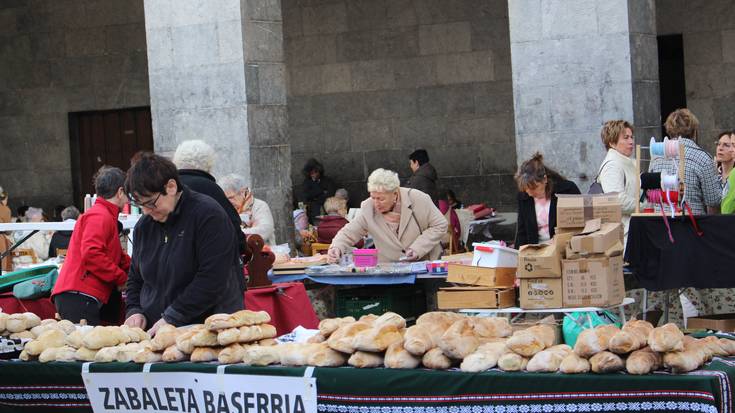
538, 186
316, 188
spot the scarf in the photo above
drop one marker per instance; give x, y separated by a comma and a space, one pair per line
393, 217
247, 204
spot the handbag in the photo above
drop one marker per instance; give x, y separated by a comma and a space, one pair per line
578, 321
37, 287
596, 187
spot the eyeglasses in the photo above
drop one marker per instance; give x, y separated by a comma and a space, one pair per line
146, 204
723, 144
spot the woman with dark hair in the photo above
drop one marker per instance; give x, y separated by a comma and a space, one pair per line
536, 201
185, 264
317, 187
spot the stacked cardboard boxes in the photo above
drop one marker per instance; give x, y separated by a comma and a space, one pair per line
481, 287
539, 271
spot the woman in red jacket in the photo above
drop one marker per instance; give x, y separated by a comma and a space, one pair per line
95, 262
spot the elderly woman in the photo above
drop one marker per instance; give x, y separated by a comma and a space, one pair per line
403, 222
617, 172
185, 264
255, 214
195, 160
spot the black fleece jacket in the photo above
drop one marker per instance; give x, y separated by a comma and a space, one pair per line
527, 228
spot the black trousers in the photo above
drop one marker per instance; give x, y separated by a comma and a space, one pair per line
76, 307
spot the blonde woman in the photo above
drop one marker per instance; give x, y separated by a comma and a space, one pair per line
617, 171
403, 222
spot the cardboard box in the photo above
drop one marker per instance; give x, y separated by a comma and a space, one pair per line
488, 277
595, 238
539, 293
594, 281
452, 298
542, 260
574, 210
716, 322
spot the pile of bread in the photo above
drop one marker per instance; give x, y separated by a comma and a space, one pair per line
19, 326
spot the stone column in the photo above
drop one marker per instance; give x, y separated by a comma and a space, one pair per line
216, 73
576, 64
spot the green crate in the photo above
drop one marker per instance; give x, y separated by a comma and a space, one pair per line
408, 301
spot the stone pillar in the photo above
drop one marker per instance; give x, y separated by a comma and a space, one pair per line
216, 73
576, 64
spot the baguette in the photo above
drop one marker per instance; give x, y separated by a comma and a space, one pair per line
363, 359
237, 319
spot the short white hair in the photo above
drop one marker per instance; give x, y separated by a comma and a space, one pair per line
233, 183
194, 154
383, 180
34, 213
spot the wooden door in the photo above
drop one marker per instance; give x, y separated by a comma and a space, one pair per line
109, 137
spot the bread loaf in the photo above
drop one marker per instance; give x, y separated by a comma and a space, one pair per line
127, 352
262, 356
624, 342
459, 340
238, 319
728, 345
435, 359
231, 354
606, 362
364, 359
297, 354
106, 354
267, 342
396, 357
666, 338
85, 354
715, 346
184, 340
342, 338
165, 337
573, 364
317, 338
368, 318
330, 325
204, 338
691, 358
23, 335
18, 322
492, 327
391, 319
323, 356
378, 338
445, 318
589, 343
525, 343
643, 361
3, 321
418, 340
512, 362
101, 337
640, 328
549, 360
47, 339
146, 355
205, 354
485, 357
172, 354
606, 332
65, 353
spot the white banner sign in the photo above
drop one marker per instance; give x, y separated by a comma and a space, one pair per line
199, 392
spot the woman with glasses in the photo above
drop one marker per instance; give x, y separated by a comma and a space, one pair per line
95, 263
617, 171
255, 214
185, 264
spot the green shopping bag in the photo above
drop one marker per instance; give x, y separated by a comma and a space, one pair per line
38, 287
576, 322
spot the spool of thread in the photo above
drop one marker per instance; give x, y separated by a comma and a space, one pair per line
653, 196
657, 149
650, 180
669, 182
671, 148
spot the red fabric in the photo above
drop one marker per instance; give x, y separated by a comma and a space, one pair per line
476, 207
287, 304
453, 218
483, 213
329, 227
95, 262
42, 307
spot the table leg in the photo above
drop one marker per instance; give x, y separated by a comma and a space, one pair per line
666, 306
645, 304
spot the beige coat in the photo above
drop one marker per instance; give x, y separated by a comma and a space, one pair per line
421, 228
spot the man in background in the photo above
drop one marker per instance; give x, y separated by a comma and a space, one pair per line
424, 175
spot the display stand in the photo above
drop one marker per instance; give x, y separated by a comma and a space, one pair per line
680, 173
566, 311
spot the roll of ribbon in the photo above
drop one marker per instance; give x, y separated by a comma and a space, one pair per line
653, 196
670, 197
657, 148
650, 180
668, 149
669, 182
671, 148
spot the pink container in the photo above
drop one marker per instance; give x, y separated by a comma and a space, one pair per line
365, 257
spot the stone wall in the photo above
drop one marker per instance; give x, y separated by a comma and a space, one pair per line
58, 57
708, 29
372, 80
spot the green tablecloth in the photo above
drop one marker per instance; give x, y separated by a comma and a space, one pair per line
36, 387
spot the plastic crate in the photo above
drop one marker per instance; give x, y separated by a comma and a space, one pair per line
408, 301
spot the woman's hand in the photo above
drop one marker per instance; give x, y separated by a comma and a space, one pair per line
160, 323
333, 255
411, 255
136, 320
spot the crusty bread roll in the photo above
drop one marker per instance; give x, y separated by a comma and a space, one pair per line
588, 343
606, 332
22, 335
184, 340
172, 354
492, 327
127, 352
45, 325
65, 353
330, 325
573, 364
485, 357
728, 345
24, 356
691, 358
85, 354
246, 334
323, 356
512, 362
297, 354
101, 337
106, 354
18, 322
262, 356
231, 354
3, 320
204, 338
390, 318
237, 319
317, 338
418, 340
435, 359
459, 340
48, 339
545, 332
396, 357
228, 336
342, 338
368, 318
268, 342
666, 338
447, 318
165, 337
205, 354
378, 338
640, 328
643, 361
146, 355
548, 360
525, 343
715, 346
624, 342
606, 362
364, 359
